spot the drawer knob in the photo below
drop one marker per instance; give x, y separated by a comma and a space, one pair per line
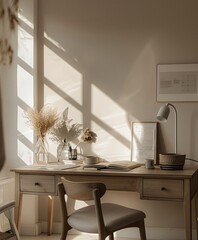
163, 189
37, 184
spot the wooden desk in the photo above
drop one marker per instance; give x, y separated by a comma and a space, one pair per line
155, 184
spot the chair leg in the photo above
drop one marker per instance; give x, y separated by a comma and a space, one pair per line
142, 230
111, 237
102, 236
63, 234
65, 228
9, 215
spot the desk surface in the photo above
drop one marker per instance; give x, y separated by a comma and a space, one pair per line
187, 172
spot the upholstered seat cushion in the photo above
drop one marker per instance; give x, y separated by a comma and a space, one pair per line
115, 217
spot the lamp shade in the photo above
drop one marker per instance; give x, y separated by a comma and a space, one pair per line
163, 113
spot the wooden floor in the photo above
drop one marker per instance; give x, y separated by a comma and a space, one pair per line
70, 237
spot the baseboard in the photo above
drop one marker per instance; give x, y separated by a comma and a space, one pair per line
132, 233
30, 229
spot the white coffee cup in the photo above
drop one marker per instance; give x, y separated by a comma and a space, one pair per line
149, 163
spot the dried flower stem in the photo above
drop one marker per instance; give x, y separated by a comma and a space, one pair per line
41, 121
8, 13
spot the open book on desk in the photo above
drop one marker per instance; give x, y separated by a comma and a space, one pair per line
115, 165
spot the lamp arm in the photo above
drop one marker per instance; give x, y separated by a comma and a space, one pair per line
169, 104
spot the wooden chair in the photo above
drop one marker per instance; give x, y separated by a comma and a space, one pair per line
7, 209
101, 218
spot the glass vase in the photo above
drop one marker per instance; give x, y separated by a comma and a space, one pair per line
63, 151
41, 151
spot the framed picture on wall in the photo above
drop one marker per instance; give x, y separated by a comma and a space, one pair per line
143, 141
177, 83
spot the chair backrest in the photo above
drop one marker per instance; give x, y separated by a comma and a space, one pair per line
82, 190
7, 209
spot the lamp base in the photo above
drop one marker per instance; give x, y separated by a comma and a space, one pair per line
171, 167
172, 161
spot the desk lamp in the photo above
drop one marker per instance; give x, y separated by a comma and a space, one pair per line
163, 116
170, 160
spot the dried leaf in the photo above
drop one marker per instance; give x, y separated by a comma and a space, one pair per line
64, 130
2, 13
8, 12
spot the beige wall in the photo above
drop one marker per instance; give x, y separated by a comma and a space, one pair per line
114, 46
99, 58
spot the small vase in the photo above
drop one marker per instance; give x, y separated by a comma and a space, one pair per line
41, 151
63, 151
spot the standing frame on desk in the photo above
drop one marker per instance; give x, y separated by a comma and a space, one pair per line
143, 141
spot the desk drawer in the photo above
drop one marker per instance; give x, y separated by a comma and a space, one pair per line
162, 188
37, 184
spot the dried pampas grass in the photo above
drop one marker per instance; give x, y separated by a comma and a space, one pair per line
42, 120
